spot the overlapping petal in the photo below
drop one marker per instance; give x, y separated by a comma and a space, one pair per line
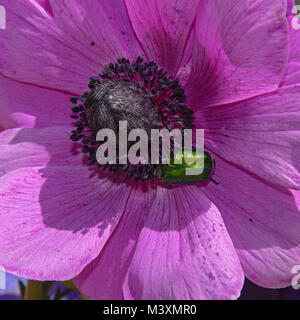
163, 28
105, 276
240, 51
64, 50
263, 221
101, 30
50, 207
25, 147
26, 105
180, 251
261, 134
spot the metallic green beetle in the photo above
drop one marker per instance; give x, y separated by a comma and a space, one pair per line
176, 173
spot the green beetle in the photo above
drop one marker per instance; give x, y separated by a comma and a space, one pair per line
176, 173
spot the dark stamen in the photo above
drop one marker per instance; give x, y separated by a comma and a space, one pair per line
138, 92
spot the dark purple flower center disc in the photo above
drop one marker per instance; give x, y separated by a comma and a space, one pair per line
138, 92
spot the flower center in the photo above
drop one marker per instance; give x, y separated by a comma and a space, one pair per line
118, 100
139, 93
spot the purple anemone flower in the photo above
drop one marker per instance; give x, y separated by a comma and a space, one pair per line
238, 71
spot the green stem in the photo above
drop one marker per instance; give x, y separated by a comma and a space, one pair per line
35, 290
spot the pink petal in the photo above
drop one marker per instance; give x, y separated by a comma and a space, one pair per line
8, 135
263, 222
105, 23
163, 28
177, 249
184, 251
261, 135
54, 221
62, 51
240, 51
25, 105
55, 213
24, 147
104, 277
